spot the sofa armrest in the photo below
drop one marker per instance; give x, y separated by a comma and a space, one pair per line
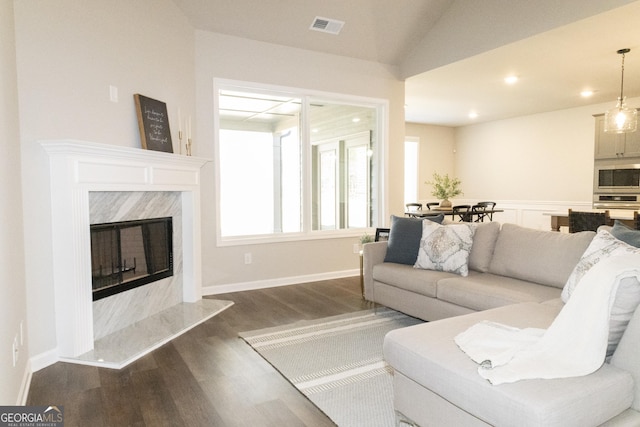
373, 253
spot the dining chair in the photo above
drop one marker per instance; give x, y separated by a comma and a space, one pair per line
481, 209
462, 211
412, 207
428, 205
382, 234
587, 221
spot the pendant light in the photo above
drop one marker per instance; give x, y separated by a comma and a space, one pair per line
621, 119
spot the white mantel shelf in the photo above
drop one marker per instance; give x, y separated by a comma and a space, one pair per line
132, 168
80, 167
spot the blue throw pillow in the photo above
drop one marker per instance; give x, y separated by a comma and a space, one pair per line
623, 232
404, 238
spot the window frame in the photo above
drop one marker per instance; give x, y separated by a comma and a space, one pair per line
381, 106
415, 198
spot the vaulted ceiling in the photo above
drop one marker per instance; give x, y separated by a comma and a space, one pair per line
374, 30
455, 54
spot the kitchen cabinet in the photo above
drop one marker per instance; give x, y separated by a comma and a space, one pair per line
615, 145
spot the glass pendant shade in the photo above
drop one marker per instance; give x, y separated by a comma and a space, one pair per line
621, 119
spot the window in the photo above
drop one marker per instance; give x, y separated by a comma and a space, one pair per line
293, 164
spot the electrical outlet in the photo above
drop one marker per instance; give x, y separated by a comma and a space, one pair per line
247, 258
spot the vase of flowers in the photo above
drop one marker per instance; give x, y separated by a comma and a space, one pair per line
445, 188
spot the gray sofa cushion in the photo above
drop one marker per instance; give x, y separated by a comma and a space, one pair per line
544, 257
484, 240
428, 355
483, 291
406, 277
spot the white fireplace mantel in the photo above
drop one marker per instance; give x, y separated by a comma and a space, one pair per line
79, 167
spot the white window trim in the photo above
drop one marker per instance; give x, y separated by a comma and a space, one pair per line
416, 140
381, 105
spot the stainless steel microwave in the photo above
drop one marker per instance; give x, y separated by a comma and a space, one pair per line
611, 178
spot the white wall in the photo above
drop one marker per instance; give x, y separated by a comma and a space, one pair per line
13, 295
437, 154
68, 54
220, 56
532, 164
542, 157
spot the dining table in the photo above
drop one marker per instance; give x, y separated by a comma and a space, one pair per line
448, 211
561, 218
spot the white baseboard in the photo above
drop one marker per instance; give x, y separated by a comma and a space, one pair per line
43, 360
281, 281
26, 384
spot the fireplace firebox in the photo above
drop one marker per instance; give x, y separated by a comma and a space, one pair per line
128, 254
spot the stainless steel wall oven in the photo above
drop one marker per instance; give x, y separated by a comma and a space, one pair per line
616, 186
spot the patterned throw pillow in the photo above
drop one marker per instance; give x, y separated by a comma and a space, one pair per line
602, 246
445, 247
625, 303
627, 297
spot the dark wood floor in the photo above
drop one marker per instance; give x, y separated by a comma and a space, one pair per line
206, 377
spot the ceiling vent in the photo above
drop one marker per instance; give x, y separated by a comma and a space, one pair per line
326, 25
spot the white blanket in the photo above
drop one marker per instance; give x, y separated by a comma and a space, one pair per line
575, 343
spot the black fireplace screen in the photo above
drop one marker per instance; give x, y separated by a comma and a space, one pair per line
125, 255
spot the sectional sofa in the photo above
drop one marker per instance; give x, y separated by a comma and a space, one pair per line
507, 265
516, 277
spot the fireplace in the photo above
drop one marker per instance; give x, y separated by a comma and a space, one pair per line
129, 254
95, 183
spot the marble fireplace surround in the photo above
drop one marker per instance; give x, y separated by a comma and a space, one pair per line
118, 311
78, 169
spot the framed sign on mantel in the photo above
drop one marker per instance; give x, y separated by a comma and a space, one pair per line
153, 122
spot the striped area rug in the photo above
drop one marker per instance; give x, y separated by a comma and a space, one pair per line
337, 363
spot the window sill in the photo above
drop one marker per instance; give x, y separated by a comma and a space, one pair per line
293, 237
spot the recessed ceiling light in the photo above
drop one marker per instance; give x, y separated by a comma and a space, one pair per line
586, 93
355, 119
473, 115
511, 80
